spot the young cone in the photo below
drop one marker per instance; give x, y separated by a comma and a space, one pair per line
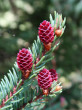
44, 79
58, 88
46, 34
58, 32
25, 62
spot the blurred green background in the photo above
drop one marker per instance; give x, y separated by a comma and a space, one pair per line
19, 21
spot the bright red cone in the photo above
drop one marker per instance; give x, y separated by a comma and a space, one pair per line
44, 79
24, 60
46, 32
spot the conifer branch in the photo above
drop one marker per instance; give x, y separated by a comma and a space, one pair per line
29, 80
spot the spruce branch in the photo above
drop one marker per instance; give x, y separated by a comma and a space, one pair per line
29, 83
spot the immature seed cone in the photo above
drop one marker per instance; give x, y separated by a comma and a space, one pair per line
44, 79
24, 60
46, 32
58, 88
54, 75
58, 32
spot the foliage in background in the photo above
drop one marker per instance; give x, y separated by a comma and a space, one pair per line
19, 20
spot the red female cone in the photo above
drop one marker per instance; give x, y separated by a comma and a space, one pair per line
44, 79
25, 62
46, 34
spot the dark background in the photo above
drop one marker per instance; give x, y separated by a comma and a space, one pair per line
19, 21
